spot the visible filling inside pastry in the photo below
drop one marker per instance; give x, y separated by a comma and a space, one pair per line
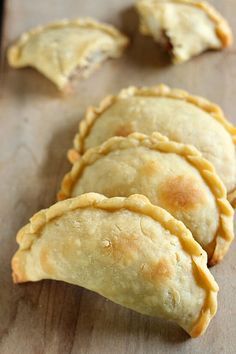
58, 50
92, 62
183, 30
168, 45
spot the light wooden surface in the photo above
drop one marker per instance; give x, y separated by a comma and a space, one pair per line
36, 128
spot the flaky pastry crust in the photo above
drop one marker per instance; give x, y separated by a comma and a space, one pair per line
222, 28
93, 114
137, 204
14, 52
162, 90
158, 142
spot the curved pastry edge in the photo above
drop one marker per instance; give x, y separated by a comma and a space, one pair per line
156, 141
138, 204
13, 50
222, 29
93, 113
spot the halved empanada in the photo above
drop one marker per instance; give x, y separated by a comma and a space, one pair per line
57, 49
184, 27
127, 250
174, 113
172, 175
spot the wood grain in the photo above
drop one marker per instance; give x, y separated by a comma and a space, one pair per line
37, 127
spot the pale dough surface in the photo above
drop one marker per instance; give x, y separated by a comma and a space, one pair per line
179, 120
57, 49
124, 249
188, 27
172, 175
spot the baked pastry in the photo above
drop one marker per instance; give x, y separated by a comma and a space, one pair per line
58, 49
173, 176
174, 113
184, 27
133, 253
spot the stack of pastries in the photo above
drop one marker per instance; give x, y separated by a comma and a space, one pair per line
145, 208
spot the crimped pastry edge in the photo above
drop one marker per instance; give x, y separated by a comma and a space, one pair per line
81, 22
158, 142
138, 204
13, 51
93, 113
222, 29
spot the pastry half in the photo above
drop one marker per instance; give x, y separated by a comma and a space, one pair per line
64, 48
173, 176
132, 252
185, 28
175, 113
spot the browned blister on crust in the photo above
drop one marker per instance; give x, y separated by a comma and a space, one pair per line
175, 113
172, 175
134, 253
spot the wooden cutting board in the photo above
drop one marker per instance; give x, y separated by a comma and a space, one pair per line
37, 125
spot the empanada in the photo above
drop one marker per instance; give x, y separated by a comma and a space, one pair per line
172, 175
174, 113
184, 27
125, 249
59, 48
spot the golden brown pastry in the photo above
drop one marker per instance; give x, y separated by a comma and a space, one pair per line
172, 175
184, 27
174, 113
125, 249
58, 49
